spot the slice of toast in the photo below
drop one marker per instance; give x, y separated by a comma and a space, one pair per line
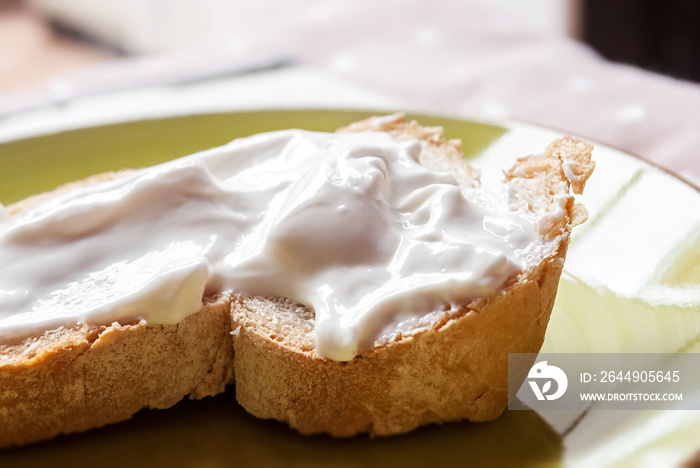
75, 378
455, 369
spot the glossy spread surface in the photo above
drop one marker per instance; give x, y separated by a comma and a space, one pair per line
347, 224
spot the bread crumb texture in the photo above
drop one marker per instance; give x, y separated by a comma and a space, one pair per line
74, 379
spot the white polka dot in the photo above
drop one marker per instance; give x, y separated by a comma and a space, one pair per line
147, 68
580, 84
496, 109
631, 113
342, 63
62, 90
428, 36
504, 26
236, 46
320, 14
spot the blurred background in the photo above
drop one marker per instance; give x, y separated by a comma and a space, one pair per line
42, 38
617, 71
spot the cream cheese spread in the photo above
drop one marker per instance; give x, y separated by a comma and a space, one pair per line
569, 172
348, 224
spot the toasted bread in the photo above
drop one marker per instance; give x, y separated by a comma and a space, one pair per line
456, 369
76, 378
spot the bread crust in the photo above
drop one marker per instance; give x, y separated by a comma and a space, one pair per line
458, 369
87, 377
73, 379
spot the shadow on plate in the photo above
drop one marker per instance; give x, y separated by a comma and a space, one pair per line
217, 432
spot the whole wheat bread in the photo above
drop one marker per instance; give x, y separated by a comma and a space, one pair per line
76, 378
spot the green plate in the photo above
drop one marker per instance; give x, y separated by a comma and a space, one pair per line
631, 284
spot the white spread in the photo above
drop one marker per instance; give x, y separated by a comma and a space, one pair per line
347, 224
569, 172
547, 221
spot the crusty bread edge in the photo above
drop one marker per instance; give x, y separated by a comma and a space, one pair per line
91, 376
456, 370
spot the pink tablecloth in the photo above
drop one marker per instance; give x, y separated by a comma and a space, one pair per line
456, 57
453, 56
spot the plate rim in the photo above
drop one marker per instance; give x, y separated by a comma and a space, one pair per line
417, 112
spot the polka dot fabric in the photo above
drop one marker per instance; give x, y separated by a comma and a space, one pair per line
455, 56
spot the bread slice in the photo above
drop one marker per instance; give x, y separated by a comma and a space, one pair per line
455, 369
75, 378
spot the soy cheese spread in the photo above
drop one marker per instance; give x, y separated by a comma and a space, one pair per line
348, 224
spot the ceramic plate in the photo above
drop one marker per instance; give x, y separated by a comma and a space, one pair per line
631, 284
